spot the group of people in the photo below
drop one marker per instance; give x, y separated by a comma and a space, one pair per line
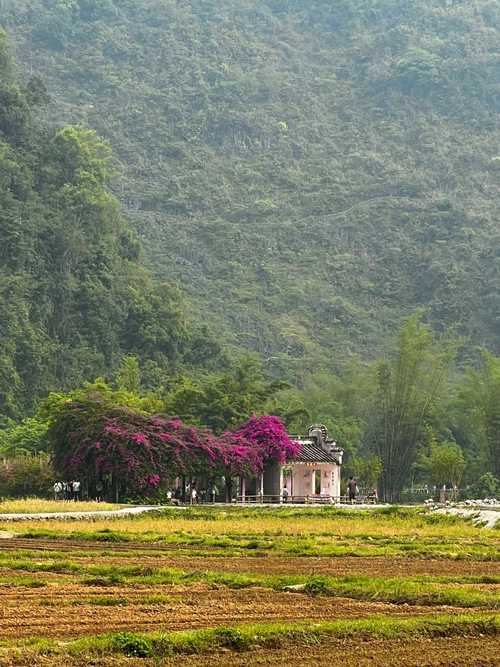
67, 490
193, 494
203, 496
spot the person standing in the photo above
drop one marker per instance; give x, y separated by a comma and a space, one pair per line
194, 496
76, 490
352, 489
58, 489
284, 494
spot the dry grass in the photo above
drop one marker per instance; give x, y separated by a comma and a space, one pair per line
321, 526
39, 505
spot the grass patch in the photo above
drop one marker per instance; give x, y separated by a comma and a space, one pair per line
247, 637
99, 601
27, 582
132, 645
111, 580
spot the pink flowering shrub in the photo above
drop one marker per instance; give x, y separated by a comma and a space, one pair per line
268, 436
94, 441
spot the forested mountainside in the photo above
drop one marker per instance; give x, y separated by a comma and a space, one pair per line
74, 297
308, 171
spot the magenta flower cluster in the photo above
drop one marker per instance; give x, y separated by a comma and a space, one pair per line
92, 441
267, 435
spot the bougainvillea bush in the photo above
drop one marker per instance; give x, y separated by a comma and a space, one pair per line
100, 443
267, 435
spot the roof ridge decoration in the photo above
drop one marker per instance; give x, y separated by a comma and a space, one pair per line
317, 447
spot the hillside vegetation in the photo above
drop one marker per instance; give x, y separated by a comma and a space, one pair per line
309, 172
74, 296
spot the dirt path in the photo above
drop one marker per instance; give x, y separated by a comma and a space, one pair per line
102, 514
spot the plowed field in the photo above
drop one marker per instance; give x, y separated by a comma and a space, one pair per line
65, 589
431, 653
437, 652
25, 612
159, 555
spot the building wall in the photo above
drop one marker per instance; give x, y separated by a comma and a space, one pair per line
302, 481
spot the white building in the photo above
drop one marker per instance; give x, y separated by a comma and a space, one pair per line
315, 471
313, 475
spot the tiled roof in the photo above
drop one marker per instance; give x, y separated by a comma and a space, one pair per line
311, 452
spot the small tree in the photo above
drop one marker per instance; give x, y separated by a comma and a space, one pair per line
479, 408
446, 464
26, 475
129, 375
487, 486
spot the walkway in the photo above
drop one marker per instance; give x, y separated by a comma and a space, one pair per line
103, 514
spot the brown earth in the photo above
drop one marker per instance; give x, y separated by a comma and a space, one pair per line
436, 652
148, 554
52, 612
65, 607
343, 565
454, 652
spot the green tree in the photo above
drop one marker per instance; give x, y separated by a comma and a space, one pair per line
129, 375
410, 385
487, 486
478, 410
222, 400
75, 297
366, 469
26, 437
340, 401
26, 475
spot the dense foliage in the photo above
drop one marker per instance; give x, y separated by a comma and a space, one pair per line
223, 399
26, 475
310, 171
128, 452
73, 294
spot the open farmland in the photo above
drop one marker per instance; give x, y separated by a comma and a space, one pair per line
246, 586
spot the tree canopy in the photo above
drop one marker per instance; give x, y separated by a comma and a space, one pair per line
132, 452
310, 172
74, 294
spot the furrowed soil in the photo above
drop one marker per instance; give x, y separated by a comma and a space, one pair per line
456, 652
69, 611
158, 555
69, 588
436, 652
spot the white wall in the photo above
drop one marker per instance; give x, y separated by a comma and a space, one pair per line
301, 482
